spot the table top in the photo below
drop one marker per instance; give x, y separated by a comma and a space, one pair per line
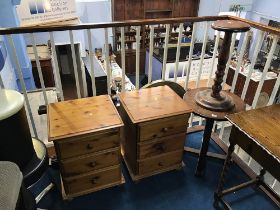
231, 26
262, 126
82, 116
153, 103
189, 98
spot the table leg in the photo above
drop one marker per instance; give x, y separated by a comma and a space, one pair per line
204, 147
218, 193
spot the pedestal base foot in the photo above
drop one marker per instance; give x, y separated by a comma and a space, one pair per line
204, 99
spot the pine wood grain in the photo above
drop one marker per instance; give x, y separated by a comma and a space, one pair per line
161, 145
85, 144
261, 125
160, 162
81, 116
93, 180
87, 163
153, 103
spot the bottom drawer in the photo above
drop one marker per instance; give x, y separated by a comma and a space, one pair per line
93, 180
160, 162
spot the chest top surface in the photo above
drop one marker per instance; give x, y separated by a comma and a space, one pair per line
262, 125
153, 103
81, 116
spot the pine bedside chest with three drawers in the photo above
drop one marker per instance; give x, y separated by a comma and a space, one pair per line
86, 136
156, 121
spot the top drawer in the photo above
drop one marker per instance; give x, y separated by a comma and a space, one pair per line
163, 127
80, 145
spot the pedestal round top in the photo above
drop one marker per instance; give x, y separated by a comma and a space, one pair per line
11, 102
189, 98
230, 26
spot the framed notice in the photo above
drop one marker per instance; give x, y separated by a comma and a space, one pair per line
40, 12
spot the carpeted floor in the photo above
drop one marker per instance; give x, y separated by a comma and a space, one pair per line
172, 190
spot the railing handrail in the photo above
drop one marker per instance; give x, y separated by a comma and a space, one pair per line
53, 27
141, 22
257, 25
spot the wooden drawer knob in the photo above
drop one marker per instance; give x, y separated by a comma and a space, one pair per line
92, 164
160, 164
89, 147
159, 146
164, 129
94, 180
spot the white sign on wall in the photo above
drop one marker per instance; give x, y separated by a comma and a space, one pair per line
38, 12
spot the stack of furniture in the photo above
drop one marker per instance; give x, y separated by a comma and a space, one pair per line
144, 9
86, 136
156, 121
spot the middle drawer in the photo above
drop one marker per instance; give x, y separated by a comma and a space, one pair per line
161, 145
86, 163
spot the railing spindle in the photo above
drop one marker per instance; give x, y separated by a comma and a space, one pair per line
39, 68
123, 58
85, 92
108, 70
274, 91
239, 62
229, 58
190, 58
1, 82
75, 64
151, 50
92, 74
57, 74
253, 61
137, 57
166, 40
225, 76
214, 58
22, 84
265, 70
178, 51
205, 38
260, 85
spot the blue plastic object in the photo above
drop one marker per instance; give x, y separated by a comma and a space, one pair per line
3, 54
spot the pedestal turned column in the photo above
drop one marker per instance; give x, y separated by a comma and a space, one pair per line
214, 99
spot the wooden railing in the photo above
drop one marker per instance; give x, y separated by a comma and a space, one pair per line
262, 29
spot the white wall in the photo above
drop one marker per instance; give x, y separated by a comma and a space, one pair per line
96, 12
7, 74
213, 8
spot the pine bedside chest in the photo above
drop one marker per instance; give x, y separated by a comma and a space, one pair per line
86, 136
156, 120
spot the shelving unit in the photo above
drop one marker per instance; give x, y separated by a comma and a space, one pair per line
146, 9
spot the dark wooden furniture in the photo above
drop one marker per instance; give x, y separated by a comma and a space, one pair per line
216, 99
47, 71
210, 117
154, 132
257, 133
146, 9
45, 63
86, 137
266, 91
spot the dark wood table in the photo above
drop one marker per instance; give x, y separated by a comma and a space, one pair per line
210, 117
257, 133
